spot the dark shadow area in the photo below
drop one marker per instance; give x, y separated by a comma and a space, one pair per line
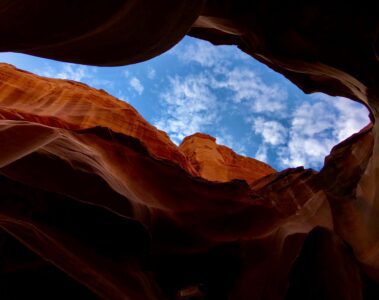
205, 276
25, 275
327, 270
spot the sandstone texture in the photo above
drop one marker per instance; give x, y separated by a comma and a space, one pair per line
219, 163
95, 203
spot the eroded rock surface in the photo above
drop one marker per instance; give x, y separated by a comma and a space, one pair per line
219, 163
89, 186
94, 197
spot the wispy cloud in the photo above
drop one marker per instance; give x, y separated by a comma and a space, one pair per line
226, 69
189, 106
66, 71
151, 73
202, 53
352, 117
248, 88
273, 132
216, 73
262, 153
75, 72
136, 84
225, 138
317, 126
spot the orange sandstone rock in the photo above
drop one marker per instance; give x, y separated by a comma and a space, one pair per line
220, 163
96, 199
91, 177
102, 196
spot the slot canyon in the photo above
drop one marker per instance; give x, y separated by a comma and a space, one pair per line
97, 203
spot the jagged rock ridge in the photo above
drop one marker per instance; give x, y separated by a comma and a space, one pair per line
97, 199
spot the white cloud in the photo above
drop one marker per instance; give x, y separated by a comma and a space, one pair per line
304, 151
75, 72
151, 73
313, 118
66, 71
226, 67
120, 95
189, 107
190, 103
273, 132
262, 153
227, 76
201, 52
126, 73
316, 127
226, 139
136, 84
248, 88
352, 116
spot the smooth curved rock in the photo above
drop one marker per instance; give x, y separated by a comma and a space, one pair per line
117, 32
97, 192
82, 152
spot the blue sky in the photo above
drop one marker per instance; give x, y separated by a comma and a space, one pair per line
198, 87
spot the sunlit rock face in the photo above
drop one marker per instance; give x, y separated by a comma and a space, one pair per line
219, 163
95, 199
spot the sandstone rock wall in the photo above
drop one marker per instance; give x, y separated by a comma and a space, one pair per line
98, 194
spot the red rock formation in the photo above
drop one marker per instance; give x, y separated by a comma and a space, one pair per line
98, 194
219, 163
71, 151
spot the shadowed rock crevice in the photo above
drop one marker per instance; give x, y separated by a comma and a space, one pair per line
324, 269
24, 275
101, 195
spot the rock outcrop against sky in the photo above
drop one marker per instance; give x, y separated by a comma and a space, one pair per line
98, 203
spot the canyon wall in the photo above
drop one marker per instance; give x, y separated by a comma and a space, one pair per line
94, 197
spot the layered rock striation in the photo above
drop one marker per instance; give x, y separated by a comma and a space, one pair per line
95, 199
93, 189
219, 163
